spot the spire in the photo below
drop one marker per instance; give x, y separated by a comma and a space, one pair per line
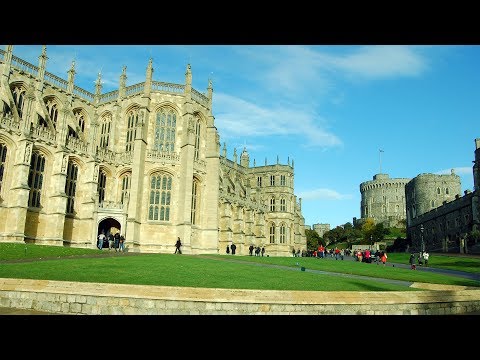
277, 160
71, 77
188, 76
235, 155
245, 158
42, 64
123, 82
224, 151
98, 87
148, 81
210, 93
188, 81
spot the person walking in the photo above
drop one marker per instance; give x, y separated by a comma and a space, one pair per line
115, 239
426, 255
263, 250
121, 243
412, 262
234, 248
178, 245
100, 239
384, 258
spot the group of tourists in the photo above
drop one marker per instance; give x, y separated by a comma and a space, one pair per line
257, 250
111, 241
421, 259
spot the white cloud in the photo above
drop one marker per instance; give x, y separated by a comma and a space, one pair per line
298, 69
323, 194
238, 117
380, 62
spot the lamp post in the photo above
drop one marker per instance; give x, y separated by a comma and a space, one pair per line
421, 236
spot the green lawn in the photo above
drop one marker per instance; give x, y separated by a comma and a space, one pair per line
219, 271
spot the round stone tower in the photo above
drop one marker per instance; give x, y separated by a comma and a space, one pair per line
383, 199
426, 192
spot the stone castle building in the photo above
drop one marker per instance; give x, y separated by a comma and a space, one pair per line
144, 160
321, 228
383, 200
439, 218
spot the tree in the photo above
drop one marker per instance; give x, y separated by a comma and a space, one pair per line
313, 239
368, 228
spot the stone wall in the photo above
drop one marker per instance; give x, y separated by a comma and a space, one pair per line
64, 297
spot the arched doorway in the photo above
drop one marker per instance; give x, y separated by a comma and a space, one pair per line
108, 226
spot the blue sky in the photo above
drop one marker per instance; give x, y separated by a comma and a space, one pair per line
329, 108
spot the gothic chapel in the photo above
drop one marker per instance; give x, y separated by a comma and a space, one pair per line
144, 160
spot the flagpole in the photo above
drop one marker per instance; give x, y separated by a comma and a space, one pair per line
380, 159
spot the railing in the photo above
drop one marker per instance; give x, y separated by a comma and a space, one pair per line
162, 156
106, 155
125, 157
199, 97
56, 81
110, 205
76, 144
110, 96
134, 89
43, 133
168, 87
83, 93
8, 122
24, 66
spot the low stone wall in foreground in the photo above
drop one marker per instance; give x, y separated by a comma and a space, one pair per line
77, 298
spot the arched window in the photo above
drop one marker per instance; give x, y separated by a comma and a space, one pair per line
3, 159
447, 191
105, 131
35, 179
194, 214
272, 203
433, 203
272, 233
132, 121
102, 185
283, 204
165, 130
438, 190
125, 188
160, 197
52, 108
197, 139
71, 186
80, 119
18, 98
283, 233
